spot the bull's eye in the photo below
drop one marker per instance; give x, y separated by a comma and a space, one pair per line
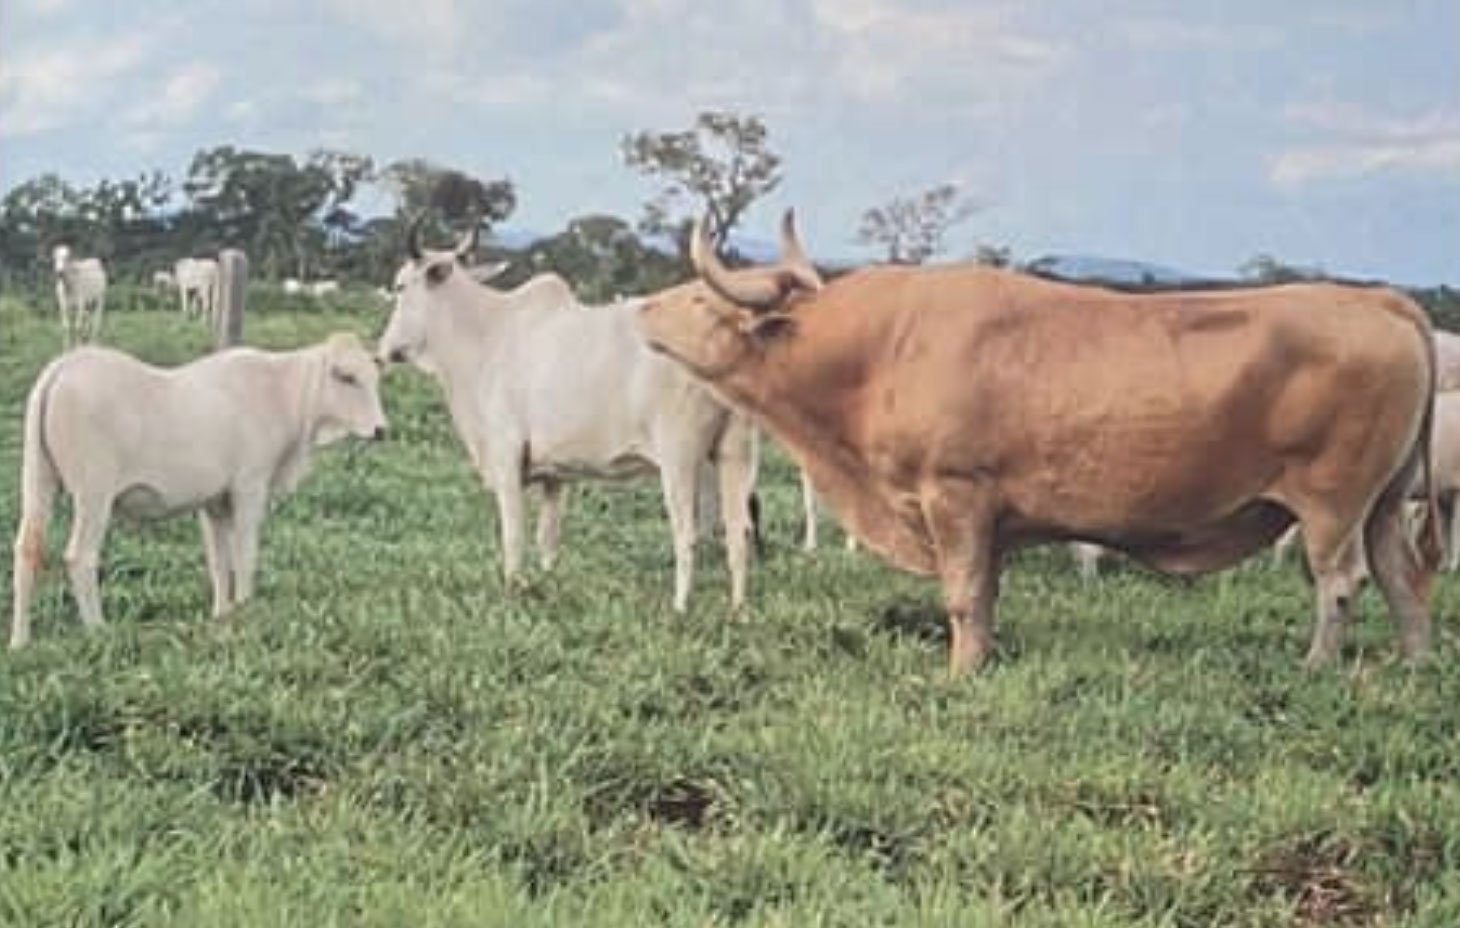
346, 378
438, 272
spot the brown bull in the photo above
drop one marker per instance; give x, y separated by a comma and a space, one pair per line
952, 414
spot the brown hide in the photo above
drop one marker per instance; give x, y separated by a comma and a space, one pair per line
1183, 428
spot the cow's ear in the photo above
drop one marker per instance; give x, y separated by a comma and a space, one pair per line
770, 327
437, 272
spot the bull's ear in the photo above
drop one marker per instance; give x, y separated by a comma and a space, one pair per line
770, 327
437, 272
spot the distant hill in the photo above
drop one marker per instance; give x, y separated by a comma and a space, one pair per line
1120, 271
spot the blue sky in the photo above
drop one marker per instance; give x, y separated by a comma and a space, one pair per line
1194, 134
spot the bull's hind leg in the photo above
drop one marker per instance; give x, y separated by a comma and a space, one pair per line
1401, 577
83, 554
1335, 556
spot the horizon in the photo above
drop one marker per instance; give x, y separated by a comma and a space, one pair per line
1325, 135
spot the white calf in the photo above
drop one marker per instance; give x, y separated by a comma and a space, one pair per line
221, 435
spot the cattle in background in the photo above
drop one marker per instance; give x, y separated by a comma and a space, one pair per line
164, 281
1447, 361
80, 294
952, 414
544, 392
197, 287
221, 435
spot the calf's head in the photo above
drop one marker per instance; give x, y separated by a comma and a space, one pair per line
711, 325
426, 279
60, 255
349, 395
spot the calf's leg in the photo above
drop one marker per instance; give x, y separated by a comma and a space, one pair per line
249, 507
83, 554
217, 528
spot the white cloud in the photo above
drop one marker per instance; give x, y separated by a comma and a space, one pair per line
335, 91
438, 25
44, 7
1156, 34
55, 87
1356, 142
176, 101
882, 51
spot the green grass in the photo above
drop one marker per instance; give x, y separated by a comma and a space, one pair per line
386, 737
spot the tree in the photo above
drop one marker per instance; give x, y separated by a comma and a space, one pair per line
1266, 269
993, 256
911, 229
422, 186
603, 258
273, 205
722, 164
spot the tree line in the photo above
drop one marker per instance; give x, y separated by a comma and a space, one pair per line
302, 216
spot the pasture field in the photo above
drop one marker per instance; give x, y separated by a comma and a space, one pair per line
386, 736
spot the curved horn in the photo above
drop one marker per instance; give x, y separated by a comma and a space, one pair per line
793, 256
758, 290
468, 241
413, 237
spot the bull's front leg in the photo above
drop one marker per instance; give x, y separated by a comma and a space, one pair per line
961, 522
679, 476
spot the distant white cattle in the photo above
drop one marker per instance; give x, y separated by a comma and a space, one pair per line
319, 288
544, 391
292, 286
80, 294
164, 281
222, 435
197, 287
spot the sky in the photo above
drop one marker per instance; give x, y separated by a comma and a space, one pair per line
1193, 134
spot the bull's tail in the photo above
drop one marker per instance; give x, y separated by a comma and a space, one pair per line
1431, 545
39, 481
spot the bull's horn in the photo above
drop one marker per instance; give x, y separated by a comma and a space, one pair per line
413, 237
754, 289
468, 241
793, 256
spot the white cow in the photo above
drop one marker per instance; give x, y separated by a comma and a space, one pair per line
80, 294
221, 435
319, 288
1447, 361
292, 286
544, 391
197, 287
164, 281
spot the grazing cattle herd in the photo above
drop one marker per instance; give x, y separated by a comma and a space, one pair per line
1184, 429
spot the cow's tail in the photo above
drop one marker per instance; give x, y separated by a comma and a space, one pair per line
39, 479
1431, 545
